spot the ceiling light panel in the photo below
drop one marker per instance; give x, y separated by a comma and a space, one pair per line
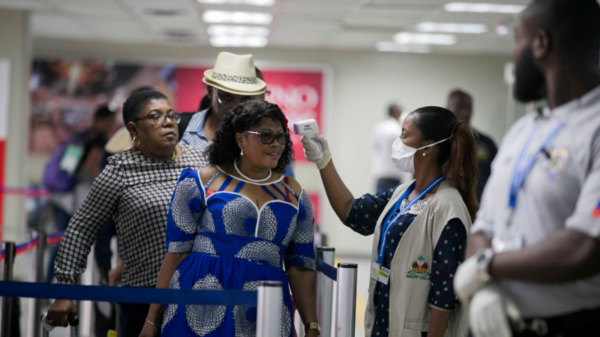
223, 30
214, 16
483, 8
466, 28
415, 38
239, 2
238, 41
386, 46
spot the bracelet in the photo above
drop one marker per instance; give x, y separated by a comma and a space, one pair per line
153, 324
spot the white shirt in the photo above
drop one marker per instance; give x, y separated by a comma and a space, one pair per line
384, 135
561, 192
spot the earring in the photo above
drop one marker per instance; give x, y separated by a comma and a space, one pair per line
424, 154
133, 141
242, 153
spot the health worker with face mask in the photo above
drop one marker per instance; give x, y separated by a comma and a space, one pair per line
420, 227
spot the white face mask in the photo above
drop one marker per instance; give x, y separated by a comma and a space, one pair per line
404, 155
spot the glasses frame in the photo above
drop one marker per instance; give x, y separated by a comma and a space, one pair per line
174, 116
220, 100
286, 137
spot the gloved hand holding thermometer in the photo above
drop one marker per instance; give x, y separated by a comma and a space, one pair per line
316, 148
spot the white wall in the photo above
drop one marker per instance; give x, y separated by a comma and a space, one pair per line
15, 46
363, 84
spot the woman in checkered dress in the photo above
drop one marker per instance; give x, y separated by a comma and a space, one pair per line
134, 189
235, 223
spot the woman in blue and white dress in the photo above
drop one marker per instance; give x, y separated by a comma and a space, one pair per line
235, 223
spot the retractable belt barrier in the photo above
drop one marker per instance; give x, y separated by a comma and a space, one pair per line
29, 192
24, 247
127, 294
346, 276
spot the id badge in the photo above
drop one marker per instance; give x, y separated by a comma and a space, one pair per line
380, 273
508, 242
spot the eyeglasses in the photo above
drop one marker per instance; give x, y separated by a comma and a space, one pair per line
225, 98
160, 119
268, 137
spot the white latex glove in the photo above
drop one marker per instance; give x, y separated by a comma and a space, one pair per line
490, 311
467, 280
312, 152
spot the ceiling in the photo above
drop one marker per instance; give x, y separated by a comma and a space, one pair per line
301, 24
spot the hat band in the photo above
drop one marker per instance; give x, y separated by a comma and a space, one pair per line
234, 78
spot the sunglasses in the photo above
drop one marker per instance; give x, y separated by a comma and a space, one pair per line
268, 137
225, 98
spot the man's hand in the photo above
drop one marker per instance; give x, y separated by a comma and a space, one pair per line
467, 280
58, 314
312, 152
490, 311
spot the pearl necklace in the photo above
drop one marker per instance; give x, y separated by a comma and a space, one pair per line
249, 179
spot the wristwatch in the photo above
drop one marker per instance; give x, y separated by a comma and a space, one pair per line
313, 326
483, 264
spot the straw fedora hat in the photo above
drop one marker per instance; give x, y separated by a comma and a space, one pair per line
235, 74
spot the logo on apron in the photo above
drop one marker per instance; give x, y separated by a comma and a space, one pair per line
419, 270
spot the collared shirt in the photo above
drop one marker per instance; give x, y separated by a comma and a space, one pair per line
194, 136
562, 191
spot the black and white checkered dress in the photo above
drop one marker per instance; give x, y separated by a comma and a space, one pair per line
136, 192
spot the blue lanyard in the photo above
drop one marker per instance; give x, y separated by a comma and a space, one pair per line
520, 174
388, 222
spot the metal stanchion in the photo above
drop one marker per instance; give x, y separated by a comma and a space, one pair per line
325, 291
37, 277
86, 308
7, 275
346, 299
270, 300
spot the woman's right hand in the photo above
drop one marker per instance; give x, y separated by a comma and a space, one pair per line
149, 330
58, 314
313, 153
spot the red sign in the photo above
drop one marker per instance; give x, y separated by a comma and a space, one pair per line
298, 93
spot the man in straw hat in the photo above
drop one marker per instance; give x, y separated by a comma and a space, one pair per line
232, 81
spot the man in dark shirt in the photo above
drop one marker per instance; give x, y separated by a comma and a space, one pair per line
461, 104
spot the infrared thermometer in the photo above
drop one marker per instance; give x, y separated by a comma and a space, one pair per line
310, 129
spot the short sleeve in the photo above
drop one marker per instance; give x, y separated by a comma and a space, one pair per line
448, 255
301, 252
586, 218
185, 212
366, 210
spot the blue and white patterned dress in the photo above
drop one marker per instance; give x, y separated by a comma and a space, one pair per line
233, 245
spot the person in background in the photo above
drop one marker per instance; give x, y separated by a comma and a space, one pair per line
420, 227
235, 223
224, 93
135, 189
384, 135
93, 141
461, 104
535, 247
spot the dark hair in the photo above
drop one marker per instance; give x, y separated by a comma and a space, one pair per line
205, 103
458, 156
137, 101
259, 73
573, 24
224, 149
103, 112
392, 109
460, 94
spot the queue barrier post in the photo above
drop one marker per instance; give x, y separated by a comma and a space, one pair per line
6, 267
38, 277
269, 301
325, 291
346, 299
